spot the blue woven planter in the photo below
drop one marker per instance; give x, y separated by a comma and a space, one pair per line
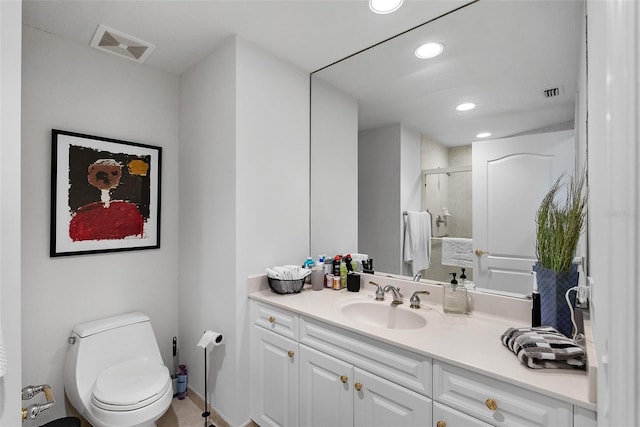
553, 286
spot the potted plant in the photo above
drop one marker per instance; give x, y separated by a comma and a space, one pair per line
559, 224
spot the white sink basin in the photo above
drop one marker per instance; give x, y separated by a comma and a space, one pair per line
382, 315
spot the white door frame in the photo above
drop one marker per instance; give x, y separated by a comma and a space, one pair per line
10, 271
614, 208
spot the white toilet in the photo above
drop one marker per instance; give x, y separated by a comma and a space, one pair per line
114, 375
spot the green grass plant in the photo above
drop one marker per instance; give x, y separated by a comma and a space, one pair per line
559, 224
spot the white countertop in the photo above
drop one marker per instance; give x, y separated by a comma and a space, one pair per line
468, 341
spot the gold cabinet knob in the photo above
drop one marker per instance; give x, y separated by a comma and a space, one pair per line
358, 386
491, 404
344, 379
271, 319
290, 353
441, 423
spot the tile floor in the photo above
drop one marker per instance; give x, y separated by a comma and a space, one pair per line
181, 413
184, 413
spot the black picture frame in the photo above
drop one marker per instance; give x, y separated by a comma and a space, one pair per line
105, 194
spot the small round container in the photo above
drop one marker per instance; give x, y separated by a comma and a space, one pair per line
317, 278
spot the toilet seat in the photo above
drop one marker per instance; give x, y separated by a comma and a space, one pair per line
130, 385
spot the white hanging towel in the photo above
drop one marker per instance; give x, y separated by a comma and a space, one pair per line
417, 241
3, 357
457, 251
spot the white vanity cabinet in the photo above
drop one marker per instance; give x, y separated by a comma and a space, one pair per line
336, 393
274, 367
306, 372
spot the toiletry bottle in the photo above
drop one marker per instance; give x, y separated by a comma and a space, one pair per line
336, 283
348, 262
328, 270
308, 263
454, 297
463, 277
182, 382
317, 277
535, 302
336, 265
343, 274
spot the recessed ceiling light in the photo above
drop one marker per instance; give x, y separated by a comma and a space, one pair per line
483, 135
384, 6
429, 50
466, 106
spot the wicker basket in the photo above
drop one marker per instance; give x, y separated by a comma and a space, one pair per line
286, 286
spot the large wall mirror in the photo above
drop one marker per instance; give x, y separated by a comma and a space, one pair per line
387, 139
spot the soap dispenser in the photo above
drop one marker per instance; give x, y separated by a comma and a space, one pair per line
454, 297
463, 277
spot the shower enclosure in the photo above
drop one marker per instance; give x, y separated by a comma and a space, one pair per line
447, 196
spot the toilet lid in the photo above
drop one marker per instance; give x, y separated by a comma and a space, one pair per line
130, 385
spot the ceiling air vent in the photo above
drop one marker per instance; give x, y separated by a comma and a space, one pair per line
553, 92
121, 44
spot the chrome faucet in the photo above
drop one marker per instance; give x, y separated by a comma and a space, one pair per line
415, 300
417, 277
379, 291
397, 296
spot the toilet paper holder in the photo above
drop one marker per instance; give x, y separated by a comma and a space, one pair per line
210, 337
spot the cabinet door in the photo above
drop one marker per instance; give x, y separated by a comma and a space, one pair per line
326, 393
381, 403
443, 416
274, 378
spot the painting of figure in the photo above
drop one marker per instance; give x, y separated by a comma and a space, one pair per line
105, 195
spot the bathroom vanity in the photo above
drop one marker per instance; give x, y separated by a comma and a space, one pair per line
337, 358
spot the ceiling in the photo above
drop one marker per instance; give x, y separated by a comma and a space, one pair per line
500, 55
307, 33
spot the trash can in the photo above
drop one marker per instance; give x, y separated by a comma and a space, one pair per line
64, 422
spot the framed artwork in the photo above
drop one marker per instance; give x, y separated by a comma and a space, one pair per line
105, 194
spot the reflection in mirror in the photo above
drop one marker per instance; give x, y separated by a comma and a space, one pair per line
520, 63
448, 199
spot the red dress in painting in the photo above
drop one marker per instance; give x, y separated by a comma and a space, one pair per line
96, 221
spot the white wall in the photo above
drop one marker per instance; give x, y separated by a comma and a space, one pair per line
73, 87
379, 181
410, 171
245, 198
410, 186
10, 69
207, 217
389, 181
334, 170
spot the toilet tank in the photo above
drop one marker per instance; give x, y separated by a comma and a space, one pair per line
102, 343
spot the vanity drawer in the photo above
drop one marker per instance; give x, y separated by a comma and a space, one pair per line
496, 402
402, 367
273, 319
443, 416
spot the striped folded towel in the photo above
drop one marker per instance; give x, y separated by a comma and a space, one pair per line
544, 347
